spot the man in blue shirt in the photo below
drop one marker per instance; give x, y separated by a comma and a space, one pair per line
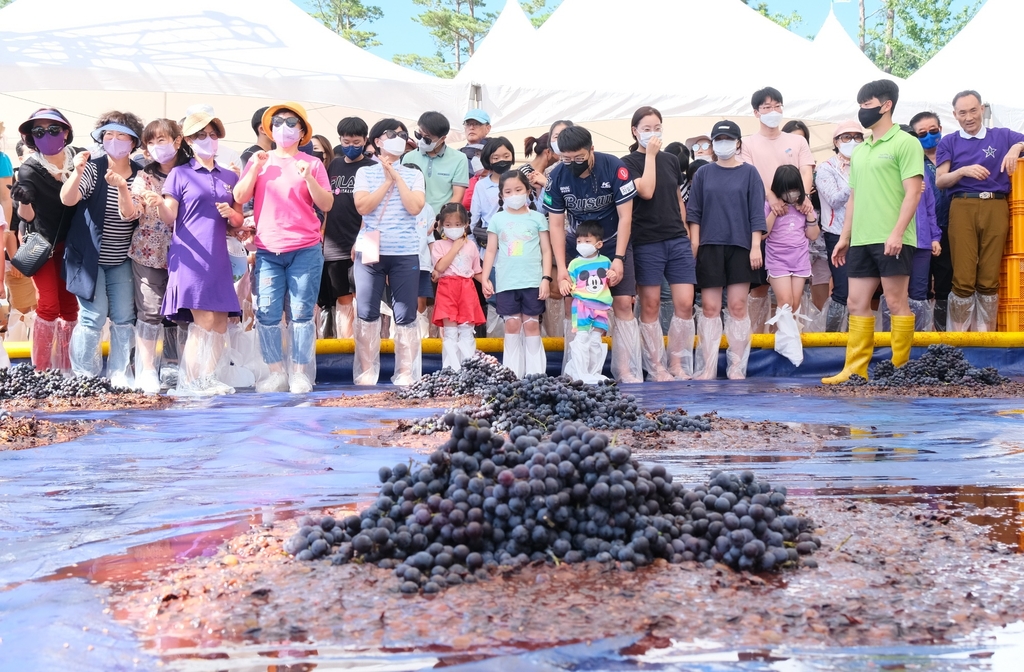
928, 130
593, 186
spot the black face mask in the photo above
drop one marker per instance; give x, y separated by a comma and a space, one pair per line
869, 116
319, 155
579, 168
501, 167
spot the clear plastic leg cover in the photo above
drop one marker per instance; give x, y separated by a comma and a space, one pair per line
654, 352
941, 313
535, 359
302, 363
836, 317
408, 356
680, 348
495, 325
578, 367
43, 336
61, 359
423, 324
883, 317
197, 377
626, 358
235, 366
709, 341
5, 360
322, 319
86, 358
759, 309
467, 342
986, 308
566, 342
344, 314
923, 315
271, 339
366, 364
148, 350
787, 335
512, 356
598, 353
450, 358
960, 313
737, 332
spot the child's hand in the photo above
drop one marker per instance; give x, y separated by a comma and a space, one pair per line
565, 287
936, 248
488, 289
433, 276
459, 243
545, 290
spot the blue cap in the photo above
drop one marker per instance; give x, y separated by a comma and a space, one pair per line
478, 115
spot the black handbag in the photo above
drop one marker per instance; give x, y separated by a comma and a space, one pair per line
32, 254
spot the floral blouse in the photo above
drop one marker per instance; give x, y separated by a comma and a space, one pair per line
152, 237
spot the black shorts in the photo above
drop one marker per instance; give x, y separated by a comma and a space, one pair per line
339, 274
870, 261
759, 278
519, 302
722, 265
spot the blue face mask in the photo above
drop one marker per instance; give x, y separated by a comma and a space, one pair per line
352, 151
929, 141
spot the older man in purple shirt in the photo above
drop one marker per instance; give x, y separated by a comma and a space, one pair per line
975, 166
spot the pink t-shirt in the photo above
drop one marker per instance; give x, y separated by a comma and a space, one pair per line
466, 263
285, 217
767, 155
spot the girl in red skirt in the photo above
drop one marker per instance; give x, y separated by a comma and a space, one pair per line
456, 307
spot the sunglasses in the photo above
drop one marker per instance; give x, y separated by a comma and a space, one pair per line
927, 132
52, 129
290, 122
424, 138
700, 146
396, 134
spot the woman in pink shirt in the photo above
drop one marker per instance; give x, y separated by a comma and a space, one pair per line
287, 184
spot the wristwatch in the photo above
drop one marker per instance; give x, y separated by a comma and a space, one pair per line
620, 257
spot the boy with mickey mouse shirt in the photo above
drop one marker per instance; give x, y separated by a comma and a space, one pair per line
591, 301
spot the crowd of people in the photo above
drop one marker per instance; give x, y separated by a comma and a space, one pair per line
219, 270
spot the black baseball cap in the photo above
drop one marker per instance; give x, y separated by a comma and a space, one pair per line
727, 128
257, 119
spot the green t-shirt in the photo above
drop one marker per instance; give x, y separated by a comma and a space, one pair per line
440, 174
877, 171
519, 262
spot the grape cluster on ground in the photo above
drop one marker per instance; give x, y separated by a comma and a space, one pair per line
941, 365
486, 503
478, 374
25, 382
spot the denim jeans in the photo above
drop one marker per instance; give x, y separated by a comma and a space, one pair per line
296, 273
840, 282
114, 298
402, 273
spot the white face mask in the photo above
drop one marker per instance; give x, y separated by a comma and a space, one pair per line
477, 164
554, 147
771, 119
846, 148
454, 234
791, 196
586, 250
394, 146
724, 149
516, 201
645, 137
427, 146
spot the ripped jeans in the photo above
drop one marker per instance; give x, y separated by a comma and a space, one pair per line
297, 273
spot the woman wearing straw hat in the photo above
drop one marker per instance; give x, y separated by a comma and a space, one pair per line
287, 184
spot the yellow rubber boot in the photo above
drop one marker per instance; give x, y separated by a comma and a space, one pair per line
859, 348
902, 339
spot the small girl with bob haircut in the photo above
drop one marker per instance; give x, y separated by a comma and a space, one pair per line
456, 260
517, 239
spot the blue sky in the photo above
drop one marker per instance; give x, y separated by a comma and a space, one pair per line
399, 34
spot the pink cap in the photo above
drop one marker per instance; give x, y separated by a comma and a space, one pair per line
848, 126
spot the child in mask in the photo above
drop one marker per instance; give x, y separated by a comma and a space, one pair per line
456, 261
591, 301
787, 257
519, 248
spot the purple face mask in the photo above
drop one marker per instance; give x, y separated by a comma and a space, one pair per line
117, 149
49, 145
286, 137
163, 153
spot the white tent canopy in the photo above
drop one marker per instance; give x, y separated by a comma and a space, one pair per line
511, 32
834, 48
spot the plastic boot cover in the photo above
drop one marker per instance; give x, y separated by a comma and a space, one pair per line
759, 309
512, 356
61, 358
960, 314
423, 324
923, 315
302, 363
680, 348
812, 317
787, 335
243, 353
343, 316
322, 319
495, 324
836, 317
271, 340
578, 366
536, 361
450, 358
986, 308
433, 330
709, 341
941, 314
43, 336
567, 343
5, 360
86, 358
148, 350
626, 358
408, 358
467, 342
197, 377
737, 332
654, 352
598, 353
366, 363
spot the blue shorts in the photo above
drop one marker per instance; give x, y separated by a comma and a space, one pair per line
669, 259
426, 288
519, 302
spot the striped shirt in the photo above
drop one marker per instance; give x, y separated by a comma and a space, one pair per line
117, 233
399, 234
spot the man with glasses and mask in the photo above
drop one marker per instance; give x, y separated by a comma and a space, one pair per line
586, 185
975, 166
928, 129
446, 173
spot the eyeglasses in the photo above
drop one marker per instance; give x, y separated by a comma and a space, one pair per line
203, 135
471, 123
396, 134
52, 129
852, 137
578, 160
701, 146
290, 122
769, 107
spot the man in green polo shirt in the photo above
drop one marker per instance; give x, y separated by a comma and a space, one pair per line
879, 234
445, 173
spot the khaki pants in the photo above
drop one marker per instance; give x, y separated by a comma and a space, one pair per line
21, 291
977, 236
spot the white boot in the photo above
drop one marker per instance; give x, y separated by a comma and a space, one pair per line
467, 342
512, 356
197, 377
408, 355
598, 353
302, 362
680, 348
579, 364
343, 317
148, 350
654, 352
535, 359
86, 358
986, 310
423, 324
450, 358
787, 335
960, 314
366, 363
567, 338
626, 360
737, 333
759, 309
709, 341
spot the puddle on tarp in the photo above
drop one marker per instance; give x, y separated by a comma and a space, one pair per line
157, 487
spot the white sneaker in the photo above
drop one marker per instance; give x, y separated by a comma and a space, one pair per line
277, 381
298, 383
149, 382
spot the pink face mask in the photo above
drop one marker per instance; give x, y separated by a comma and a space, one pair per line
287, 137
117, 149
205, 148
162, 153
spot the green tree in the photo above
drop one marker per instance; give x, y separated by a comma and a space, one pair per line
906, 33
344, 17
456, 26
4, 3
788, 21
538, 10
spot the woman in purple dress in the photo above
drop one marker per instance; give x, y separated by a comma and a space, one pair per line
197, 202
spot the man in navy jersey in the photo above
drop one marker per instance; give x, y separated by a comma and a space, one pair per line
592, 186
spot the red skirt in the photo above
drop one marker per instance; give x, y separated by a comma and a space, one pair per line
456, 300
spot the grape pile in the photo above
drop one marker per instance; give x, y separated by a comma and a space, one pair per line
478, 374
25, 382
940, 365
484, 502
541, 402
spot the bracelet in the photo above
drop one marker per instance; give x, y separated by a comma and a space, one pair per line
620, 257
547, 277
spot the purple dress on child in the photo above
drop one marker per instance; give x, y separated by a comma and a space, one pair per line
198, 267
787, 250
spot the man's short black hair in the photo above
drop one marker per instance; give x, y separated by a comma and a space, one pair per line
573, 139
762, 96
434, 123
921, 116
353, 127
964, 94
257, 119
882, 89
591, 227
19, 149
